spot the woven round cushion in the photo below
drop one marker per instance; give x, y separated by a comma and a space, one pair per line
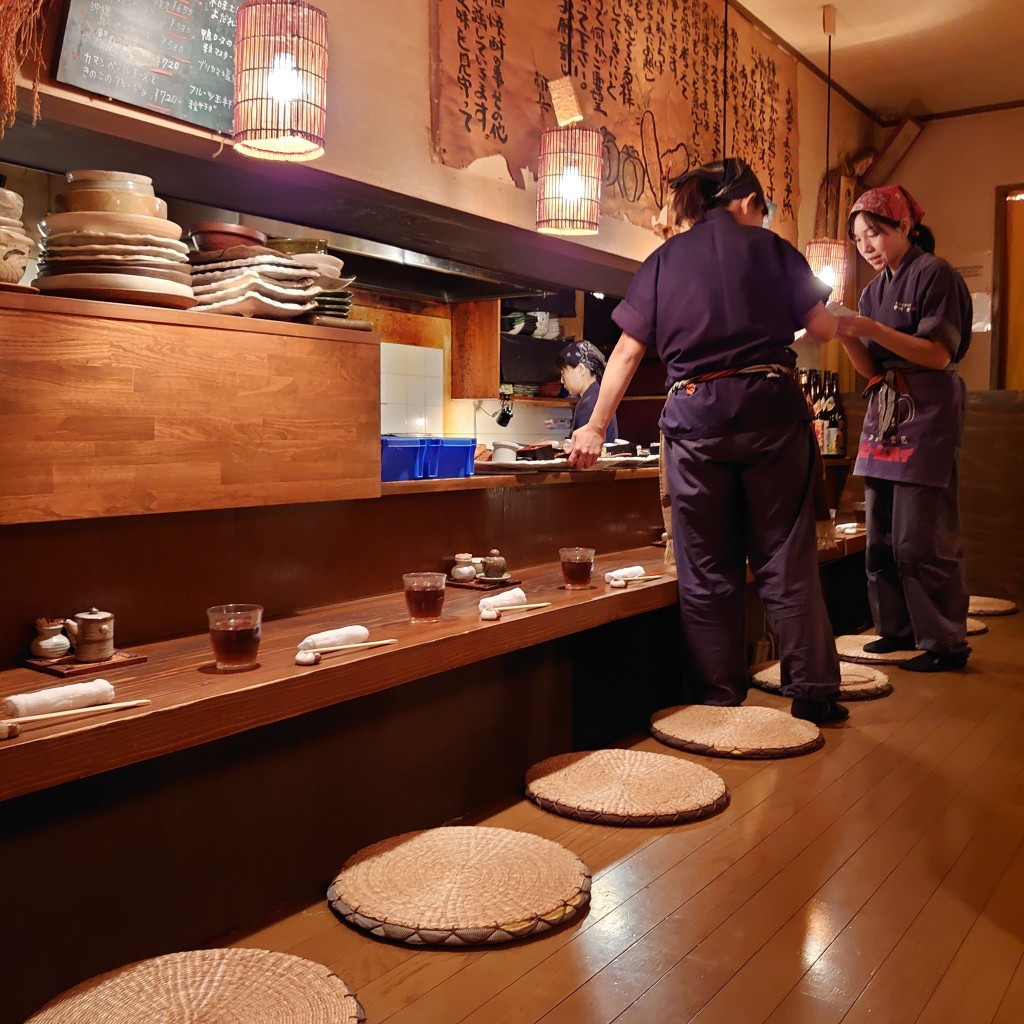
856, 682
851, 648
747, 732
215, 986
991, 606
626, 787
462, 885
975, 627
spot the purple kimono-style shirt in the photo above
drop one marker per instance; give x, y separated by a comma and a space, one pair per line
723, 295
925, 298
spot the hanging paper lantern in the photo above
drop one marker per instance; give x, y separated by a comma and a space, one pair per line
569, 181
280, 80
831, 260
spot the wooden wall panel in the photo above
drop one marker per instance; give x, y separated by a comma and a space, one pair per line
117, 410
476, 354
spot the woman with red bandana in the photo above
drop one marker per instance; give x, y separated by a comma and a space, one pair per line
913, 329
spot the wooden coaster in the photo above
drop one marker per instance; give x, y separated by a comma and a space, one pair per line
67, 666
461, 885
991, 606
856, 682
626, 787
744, 732
251, 985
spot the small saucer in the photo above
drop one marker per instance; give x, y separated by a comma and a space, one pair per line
494, 579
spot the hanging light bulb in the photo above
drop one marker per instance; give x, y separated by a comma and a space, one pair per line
830, 258
280, 80
569, 181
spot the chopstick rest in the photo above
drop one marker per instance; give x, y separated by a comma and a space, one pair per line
620, 583
11, 728
313, 657
492, 614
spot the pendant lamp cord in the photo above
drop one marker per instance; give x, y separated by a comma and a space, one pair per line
725, 80
828, 128
568, 45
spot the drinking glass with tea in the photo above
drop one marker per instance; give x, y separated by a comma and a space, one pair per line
235, 631
577, 566
424, 595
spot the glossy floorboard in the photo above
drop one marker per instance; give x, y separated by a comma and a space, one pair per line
879, 879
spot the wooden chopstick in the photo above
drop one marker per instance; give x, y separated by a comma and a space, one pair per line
352, 647
9, 726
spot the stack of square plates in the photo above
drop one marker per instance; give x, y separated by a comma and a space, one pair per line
335, 300
252, 280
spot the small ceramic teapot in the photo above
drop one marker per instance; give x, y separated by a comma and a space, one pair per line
50, 643
463, 569
494, 564
92, 633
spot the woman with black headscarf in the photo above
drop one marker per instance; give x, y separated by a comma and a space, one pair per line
581, 365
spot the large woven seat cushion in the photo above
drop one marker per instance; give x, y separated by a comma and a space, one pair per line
975, 627
462, 885
991, 606
626, 787
209, 986
744, 732
856, 682
851, 648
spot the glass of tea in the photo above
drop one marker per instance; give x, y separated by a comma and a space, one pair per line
577, 565
235, 631
424, 595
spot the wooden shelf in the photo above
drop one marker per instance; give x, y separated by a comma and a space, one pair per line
488, 481
540, 400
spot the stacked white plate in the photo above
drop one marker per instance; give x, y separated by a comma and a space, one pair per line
15, 243
251, 280
102, 248
334, 301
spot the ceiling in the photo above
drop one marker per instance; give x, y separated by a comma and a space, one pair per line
910, 58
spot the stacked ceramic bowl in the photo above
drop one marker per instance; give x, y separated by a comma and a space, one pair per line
335, 300
110, 239
15, 244
235, 272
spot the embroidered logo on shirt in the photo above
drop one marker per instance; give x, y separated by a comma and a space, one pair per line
904, 307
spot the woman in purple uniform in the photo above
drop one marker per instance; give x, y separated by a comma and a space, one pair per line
914, 327
721, 302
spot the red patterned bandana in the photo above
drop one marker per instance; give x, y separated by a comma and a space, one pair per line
892, 201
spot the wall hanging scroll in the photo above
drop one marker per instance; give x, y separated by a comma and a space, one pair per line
648, 73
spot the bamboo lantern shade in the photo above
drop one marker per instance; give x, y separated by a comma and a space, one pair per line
280, 80
832, 261
569, 181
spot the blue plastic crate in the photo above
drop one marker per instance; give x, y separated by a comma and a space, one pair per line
402, 458
455, 456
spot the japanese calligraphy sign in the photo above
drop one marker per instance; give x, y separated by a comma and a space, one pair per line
651, 74
173, 57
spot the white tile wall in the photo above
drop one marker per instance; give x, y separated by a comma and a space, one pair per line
411, 389
466, 418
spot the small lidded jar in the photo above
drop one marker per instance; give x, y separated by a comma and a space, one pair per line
463, 569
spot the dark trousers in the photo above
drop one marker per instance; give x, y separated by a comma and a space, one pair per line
914, 562
739, 497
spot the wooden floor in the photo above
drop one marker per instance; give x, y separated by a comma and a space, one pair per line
879, 879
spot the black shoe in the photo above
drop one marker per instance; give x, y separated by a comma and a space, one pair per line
931, 661
888, 644
820, 712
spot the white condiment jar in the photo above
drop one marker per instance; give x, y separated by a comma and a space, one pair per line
463, 569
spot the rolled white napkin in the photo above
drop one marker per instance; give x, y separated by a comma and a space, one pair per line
508, 599
59, 698
629, 573
335, 638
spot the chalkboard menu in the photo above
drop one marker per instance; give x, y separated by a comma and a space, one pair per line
174, 57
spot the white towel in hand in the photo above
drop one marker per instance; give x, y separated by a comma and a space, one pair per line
335, 638
509, 599
629, 573
59, 698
